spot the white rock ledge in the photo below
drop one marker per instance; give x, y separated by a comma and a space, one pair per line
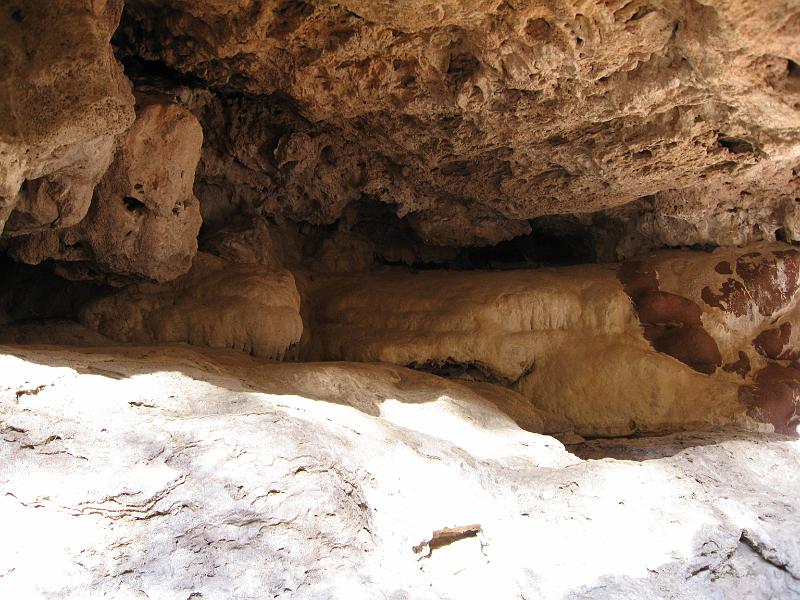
177, 473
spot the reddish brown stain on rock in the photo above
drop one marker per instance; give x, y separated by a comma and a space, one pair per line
672, 323
724, 268
637, 277
778, 373
774, 397
692, 346
771, 282
732, 298
768, 282
770, 343
741, 367
664, 308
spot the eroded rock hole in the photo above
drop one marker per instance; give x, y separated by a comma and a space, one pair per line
36, 295
462, 67
550, 243
133, 204
640, 13
289, 15
735, 145
792, 69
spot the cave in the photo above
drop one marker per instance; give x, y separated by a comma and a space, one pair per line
304, 299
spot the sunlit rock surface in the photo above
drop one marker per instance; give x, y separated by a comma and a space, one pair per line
179, 473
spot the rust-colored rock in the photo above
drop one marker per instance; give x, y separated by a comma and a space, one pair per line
741, 367
775, 397
690, 345
672, 323
771, 342
637, 277
724, 268
664, 308
766, 280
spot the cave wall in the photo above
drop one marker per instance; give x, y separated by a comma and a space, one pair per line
366, 298
364, 181
651, 123
473, 118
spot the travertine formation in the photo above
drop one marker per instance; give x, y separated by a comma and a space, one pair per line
216, 304
673, 340
568, 338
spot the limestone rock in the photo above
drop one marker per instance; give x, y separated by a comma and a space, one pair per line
216, 304
749, 299
733, 213
477, 116
144, 217
521, 410
176, 472
568, 338
63, 100
588, 343
255, 241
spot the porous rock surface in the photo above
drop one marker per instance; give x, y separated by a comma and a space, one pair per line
63, 100
472, 117
144, 217
647, 123
179, 473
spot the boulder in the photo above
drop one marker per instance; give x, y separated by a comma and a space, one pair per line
63, 101
144, 217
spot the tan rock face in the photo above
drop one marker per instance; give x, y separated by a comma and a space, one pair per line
491, 113
749, 302
255, 241
651, 346
144, 218
216, 304
63, 100
568, 339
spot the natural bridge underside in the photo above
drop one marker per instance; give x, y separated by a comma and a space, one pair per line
399, 299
